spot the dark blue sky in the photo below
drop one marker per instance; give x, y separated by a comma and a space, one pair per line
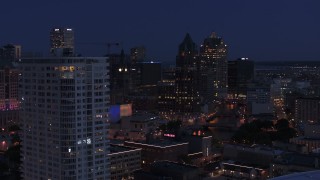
261, 30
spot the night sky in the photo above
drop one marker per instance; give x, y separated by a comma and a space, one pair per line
260, 30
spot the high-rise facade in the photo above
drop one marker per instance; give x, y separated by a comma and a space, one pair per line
240, 73
64, 118
187, 79
137, 54
9, 103
62, 42
167, 95
120, 84
10, 52
213, 55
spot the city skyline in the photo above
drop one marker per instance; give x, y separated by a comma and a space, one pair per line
89, 90
285, 30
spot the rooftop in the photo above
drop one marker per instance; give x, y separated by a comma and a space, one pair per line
159, 144
300, 176
173, 166
307, 160
115, 149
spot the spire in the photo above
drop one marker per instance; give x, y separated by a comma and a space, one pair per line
213, 35
187, 45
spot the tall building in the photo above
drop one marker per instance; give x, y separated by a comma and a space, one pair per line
9, 53
167, 95
240, 73
9, 103
62, 42
187, 53
120, 78
187, 79
145, 77
64, 117
213, 55
137, 54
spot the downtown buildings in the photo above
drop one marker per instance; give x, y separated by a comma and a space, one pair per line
62, 42
64, 117
200, 78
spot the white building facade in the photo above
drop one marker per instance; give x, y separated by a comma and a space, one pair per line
64, 118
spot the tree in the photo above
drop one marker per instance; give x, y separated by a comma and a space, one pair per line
13, 153
284, 131
282, 124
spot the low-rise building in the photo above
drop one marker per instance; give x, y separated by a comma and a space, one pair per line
163, 150
311, 138
169, 170
257, 155
124, 161
237, 171
290, 163
134, 127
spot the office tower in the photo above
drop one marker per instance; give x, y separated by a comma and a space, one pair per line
240, 73
187, 53
167, 95
9, 104
213, 55
62, 42
137, 54
120, 77
150, 73
144, 77
9, 53
64, 117
187, 79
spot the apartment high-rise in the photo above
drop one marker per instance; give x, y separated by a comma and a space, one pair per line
64, 117
62, 42
213, 55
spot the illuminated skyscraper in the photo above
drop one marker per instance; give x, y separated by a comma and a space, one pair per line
62, 42
213, 55
64, 117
